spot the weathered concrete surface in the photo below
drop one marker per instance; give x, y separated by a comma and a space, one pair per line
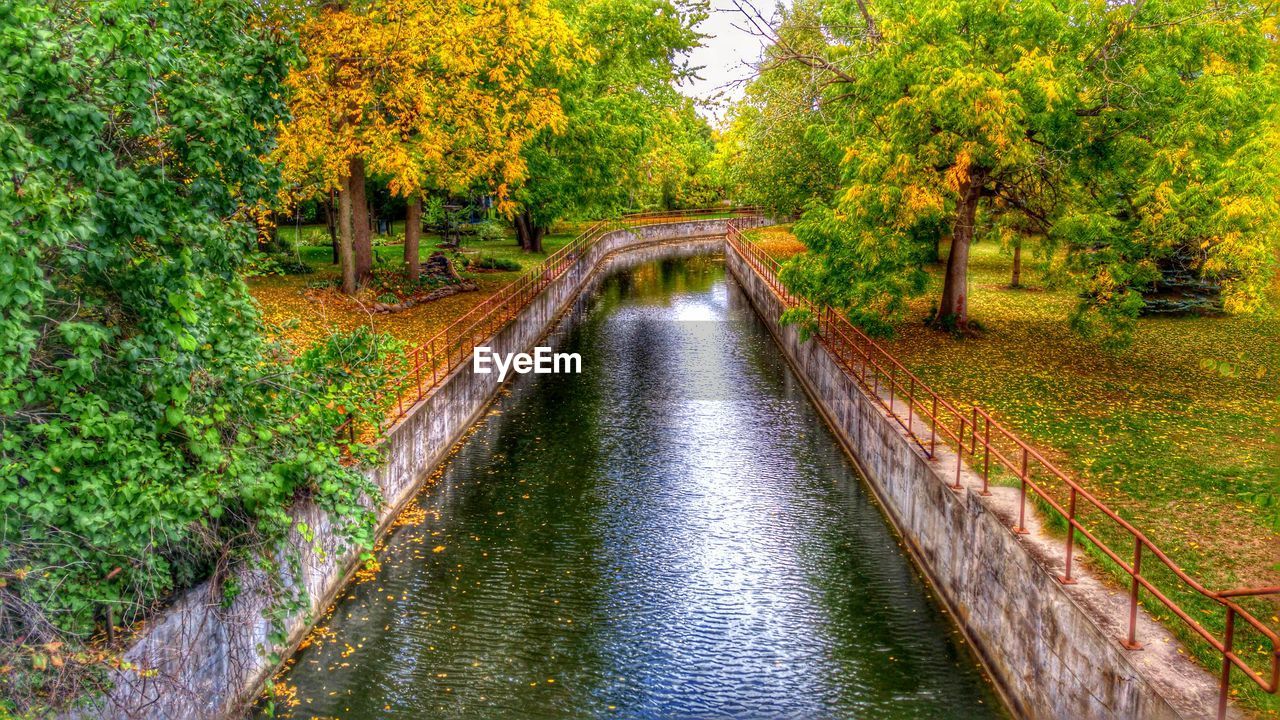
199, 660
1052, 649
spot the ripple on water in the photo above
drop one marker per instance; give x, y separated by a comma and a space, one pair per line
673, 533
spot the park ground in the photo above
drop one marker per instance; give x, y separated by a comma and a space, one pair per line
1179, 432
305, 307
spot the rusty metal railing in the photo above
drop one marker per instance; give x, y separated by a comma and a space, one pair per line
431, 361
912, 404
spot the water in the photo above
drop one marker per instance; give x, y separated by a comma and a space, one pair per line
672, 534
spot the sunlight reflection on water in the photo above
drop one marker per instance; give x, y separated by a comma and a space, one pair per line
673, 533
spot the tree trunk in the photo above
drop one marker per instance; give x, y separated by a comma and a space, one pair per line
520, 222
1016, 281
412, 234
331, 223
528, 233
362, 241
953, 311
346, 235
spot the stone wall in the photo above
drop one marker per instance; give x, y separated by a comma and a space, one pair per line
1053, 650
199, 659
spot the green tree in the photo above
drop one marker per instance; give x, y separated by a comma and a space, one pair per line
680, 168
781, 149
148, 432
1126, 134
614, 108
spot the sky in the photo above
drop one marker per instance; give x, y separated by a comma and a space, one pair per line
723, 55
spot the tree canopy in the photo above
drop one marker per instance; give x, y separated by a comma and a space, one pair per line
426, 95
617, 107
1128, 136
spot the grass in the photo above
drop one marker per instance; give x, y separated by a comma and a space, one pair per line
1180, 432
291, 303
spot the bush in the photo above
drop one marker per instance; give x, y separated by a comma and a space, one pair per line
488, 262
490, 230
396, 284
150, 434
267, 264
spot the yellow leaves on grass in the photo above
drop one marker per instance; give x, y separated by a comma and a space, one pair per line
777, 241
304, 316
1190, 408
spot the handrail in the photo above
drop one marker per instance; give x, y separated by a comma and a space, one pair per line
431, 361
881, 373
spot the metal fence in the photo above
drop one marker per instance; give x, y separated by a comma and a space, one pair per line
432, 361
929, 418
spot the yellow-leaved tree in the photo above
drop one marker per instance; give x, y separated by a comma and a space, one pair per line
428, 94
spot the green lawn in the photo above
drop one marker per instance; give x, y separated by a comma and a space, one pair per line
1180, 432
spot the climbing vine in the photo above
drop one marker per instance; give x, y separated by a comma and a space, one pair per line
151, 436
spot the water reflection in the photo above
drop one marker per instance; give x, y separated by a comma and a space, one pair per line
673, 533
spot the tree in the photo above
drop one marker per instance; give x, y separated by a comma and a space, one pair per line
1178, 172
679, 170
1079, 118
425, 95
782, 149
614, 108
148, 432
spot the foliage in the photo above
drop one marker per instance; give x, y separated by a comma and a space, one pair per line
782, 150
489, 230
488, 262
615, 107
1125, 133
263, 264
429, 94
397, 285
148, 433
680, 169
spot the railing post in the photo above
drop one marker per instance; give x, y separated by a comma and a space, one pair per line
1021, 529
417, 371
986, 459
959, 455
973, 446
933, 428
1228, 643
911, 405
893, 380
1131, 642
1066, 579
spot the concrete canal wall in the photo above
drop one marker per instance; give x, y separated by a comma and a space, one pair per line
203, 659
1053, 649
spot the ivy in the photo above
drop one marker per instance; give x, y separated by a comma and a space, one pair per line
150, 433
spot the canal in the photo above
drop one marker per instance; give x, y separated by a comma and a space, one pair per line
674, 533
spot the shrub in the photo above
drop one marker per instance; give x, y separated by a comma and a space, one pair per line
490, 230
488, 262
